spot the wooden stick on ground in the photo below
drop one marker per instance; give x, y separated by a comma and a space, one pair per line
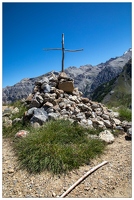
82, 178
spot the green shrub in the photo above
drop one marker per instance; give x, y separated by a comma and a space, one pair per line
125, 114
58, 146
21, 108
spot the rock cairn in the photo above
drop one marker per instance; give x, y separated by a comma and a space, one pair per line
55, 97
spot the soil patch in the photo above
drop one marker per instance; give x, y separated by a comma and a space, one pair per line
113, 180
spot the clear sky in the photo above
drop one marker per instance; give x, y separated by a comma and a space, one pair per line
103, 30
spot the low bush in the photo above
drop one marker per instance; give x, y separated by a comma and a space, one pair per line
125, 114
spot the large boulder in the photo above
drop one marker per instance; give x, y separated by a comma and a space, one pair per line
129, 132
40, 116
107, 136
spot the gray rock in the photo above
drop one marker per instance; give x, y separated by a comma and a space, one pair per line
38, 97
50, 110
84, 121
15, 110
41, 119
119, 128
94, 106
89, 122
53, 116
116, 114
116, 121
35, 125
84, 107
29, 98
40, 111
129, 132
5, 119
31, 111
105, 117
80, 116
93, 114
48, 105
107, 136
76, 111
126, 125
8, 123
43, 80
7, 112
16, 120
46, 87
35, 103
64, 112
107, 123
40, 116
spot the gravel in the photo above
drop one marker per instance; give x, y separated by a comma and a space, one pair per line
113, 180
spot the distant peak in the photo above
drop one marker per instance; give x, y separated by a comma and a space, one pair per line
130, 49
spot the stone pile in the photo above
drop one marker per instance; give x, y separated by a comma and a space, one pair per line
7, 115
55, 97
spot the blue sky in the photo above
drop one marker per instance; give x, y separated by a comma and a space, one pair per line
103, 30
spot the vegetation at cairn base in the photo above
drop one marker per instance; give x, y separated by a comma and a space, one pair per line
20, 105
125, 113
58, 146
11, 130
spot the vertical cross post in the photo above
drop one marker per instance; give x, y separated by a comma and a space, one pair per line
63, 51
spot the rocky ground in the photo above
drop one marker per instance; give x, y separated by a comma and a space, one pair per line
110, 181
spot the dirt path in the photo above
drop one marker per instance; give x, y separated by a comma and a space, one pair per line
110, 181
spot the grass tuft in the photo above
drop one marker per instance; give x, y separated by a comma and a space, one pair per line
125, 114
58, 146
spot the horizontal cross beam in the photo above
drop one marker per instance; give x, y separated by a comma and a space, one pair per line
63, 50
73, 50
52, 49
69, 50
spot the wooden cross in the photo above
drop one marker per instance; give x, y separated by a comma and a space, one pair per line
63, 51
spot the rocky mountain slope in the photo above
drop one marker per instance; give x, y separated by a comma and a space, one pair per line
110, 69
118, 90
122, 88
86, 78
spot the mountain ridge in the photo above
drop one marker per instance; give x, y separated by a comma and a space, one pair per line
118, 90
86, 78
